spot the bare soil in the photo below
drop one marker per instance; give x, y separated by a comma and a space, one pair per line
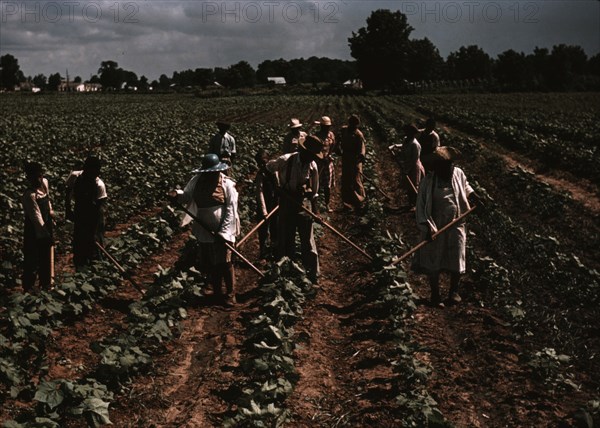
479, 376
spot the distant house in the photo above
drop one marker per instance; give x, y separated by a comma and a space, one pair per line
66, 86
91, 87
353, 83
276, 80
28, 87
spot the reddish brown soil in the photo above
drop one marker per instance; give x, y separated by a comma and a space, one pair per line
479, 377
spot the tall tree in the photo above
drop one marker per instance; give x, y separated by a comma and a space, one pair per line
40, 81
144, 83
382, 49
110, 74
10, 72
469, 63
272, 68
54, 81
539, 63
164, 82
204, 77
426, 62
565, 63
514, 71
241, 75
594, 65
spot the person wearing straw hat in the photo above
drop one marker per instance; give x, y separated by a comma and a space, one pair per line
443, 196
411, 161
429, 140
353, 150
37, 242
223, 143
294, 137
326, 165
211, 197
89, 192
298, 180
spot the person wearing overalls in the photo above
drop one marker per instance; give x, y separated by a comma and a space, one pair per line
298, 177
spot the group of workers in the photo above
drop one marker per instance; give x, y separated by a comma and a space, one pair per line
87, 190
288, 189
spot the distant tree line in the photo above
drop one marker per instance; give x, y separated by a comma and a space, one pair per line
385, 58
388, 59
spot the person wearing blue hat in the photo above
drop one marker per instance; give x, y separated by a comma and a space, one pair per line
212, 198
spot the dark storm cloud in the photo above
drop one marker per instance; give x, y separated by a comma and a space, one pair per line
156, 37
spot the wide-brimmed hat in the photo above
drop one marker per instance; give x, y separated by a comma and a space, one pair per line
211, 163
443, 153
325, 121
410, 129
294, 123
354, 120
312, 144
223, 124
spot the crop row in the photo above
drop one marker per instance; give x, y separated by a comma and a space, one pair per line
29, 319
531, 261
569, 143
268, 361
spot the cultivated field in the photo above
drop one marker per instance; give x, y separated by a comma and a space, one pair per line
362, 349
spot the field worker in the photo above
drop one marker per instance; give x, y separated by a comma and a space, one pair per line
266, 200
410, 156
443, 196
326, 165
89, 193
38, 242
211, 196
353, 150
223, 143
429, 141
298, 176
294, 137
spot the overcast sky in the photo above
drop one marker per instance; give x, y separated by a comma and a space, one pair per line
155, 37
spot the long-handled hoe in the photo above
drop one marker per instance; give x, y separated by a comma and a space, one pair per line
119, 267
436, 234
227, 244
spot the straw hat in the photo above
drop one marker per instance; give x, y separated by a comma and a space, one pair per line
313, 145
211, 163
443, 153
325, 121
294, 123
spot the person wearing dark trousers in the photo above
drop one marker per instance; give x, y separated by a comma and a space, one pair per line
38, 237
298, 177
89, 192
266, 201
326, 165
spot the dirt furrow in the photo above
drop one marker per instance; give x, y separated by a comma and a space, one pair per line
581, 190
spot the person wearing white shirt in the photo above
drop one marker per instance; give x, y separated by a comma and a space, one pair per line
298, 178
212, 198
